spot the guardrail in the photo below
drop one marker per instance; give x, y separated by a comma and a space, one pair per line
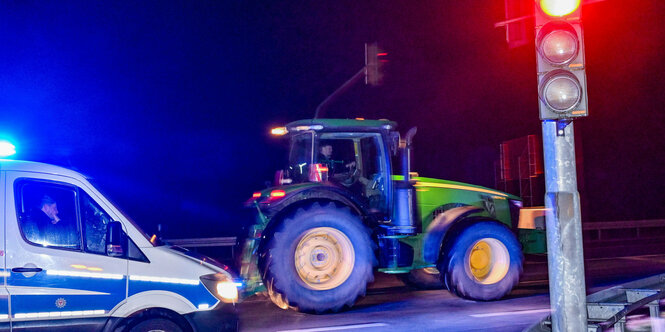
613, 230
634, 237
229, 241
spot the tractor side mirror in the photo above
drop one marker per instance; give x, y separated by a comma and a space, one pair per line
394, 142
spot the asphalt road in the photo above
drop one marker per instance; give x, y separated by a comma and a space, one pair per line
392, 306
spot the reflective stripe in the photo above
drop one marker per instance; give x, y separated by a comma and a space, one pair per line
165, 280
60, 314
85, 274
457, 186
26, 290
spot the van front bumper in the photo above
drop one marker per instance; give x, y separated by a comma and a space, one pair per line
224, 317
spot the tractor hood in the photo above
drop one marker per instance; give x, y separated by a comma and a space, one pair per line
424, 182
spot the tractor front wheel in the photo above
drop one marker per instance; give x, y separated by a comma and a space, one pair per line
320, 260
483, 263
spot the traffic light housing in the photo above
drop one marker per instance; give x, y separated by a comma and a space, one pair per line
560, 58
375, 60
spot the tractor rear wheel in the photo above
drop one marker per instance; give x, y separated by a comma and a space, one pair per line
320, 260
483, 263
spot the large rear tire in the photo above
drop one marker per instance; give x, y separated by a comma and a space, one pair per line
320, 260
483, 263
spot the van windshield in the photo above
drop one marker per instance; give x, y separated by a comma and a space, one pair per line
155, 241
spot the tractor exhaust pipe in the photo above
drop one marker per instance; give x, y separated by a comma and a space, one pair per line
406, 154
403, 213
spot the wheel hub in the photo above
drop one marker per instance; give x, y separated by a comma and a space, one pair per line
319, 257
488, 261
324, 258
480, 260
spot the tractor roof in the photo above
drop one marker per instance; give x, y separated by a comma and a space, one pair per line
341, 125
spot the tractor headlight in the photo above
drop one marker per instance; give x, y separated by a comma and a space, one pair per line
516, 203
222, 287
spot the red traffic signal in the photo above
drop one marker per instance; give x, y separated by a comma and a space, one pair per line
375, 59
558, 8
560, 58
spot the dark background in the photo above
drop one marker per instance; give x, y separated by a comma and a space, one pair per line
168, 105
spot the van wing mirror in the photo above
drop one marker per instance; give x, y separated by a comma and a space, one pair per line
115, 239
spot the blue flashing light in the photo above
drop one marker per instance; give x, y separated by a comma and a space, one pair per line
7, 149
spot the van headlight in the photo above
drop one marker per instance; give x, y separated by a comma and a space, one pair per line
222, 287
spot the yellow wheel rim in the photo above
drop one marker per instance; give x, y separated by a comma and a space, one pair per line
324, 258
488, 261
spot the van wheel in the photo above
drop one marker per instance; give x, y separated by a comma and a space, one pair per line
426, 278
156, 325
483, 263
320, 260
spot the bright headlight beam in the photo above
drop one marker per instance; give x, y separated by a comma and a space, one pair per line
228, 291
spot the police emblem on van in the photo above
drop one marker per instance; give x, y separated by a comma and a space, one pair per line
60, 303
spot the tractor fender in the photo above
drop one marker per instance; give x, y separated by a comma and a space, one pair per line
436, 231
300, 197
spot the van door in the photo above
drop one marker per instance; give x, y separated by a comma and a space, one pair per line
58, 270
4, 295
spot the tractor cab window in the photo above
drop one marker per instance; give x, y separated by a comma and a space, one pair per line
356, 161
300, 157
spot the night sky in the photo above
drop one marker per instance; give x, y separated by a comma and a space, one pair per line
168, 105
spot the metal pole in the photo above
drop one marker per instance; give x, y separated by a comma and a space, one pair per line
564, 228
339, 91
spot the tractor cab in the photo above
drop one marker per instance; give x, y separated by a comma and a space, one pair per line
354, 157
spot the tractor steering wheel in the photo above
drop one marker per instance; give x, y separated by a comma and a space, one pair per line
350, 177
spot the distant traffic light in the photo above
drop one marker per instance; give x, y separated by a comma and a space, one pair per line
375, 59
560, 54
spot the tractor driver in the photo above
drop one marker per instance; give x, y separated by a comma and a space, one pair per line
325, 157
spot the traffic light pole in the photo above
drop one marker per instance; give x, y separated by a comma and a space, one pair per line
564, 228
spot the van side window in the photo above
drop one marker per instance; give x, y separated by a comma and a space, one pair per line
47, 214
94, 221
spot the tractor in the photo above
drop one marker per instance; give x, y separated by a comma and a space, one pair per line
334, 217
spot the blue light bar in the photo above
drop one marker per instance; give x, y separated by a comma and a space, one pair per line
7, 149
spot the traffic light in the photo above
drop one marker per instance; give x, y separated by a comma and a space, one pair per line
560, 54
375, 59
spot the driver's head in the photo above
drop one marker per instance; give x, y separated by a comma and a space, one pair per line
326, 150
50, 207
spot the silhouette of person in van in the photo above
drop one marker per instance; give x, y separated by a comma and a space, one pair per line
45, 227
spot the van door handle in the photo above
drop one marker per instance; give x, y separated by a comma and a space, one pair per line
26, 269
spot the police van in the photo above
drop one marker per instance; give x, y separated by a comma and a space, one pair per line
73, 261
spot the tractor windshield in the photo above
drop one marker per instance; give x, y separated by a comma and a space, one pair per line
300, 157
355, 161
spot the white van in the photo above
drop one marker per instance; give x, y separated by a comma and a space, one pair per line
73, 261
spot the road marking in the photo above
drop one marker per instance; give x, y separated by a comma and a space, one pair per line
506, 313
338, 328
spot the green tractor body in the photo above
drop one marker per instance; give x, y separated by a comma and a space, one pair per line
348, 204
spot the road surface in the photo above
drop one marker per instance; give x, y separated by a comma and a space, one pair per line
392, 306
